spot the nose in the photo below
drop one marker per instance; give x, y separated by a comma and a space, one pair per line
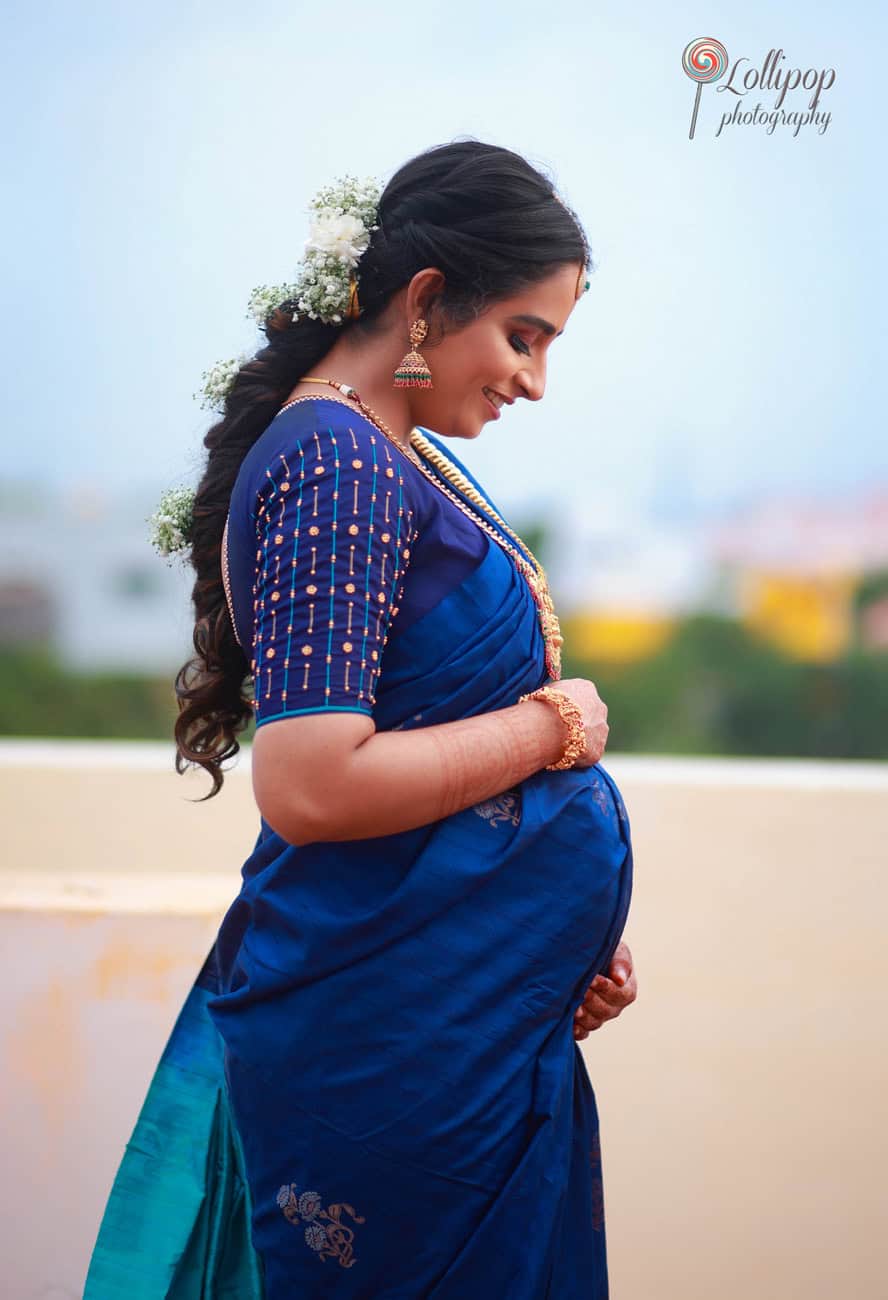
532, 380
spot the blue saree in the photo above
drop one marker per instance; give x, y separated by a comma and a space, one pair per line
376, 1072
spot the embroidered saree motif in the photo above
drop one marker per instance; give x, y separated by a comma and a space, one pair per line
502, 808
330, 1239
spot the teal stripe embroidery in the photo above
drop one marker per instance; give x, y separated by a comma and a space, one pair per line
295, 556
263, 613
370, 695
317, 708
334, 543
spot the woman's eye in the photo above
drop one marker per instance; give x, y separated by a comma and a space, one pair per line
519, 345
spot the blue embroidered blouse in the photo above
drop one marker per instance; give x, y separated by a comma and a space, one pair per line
335, 540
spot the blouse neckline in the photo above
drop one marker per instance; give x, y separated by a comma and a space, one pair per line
339, 401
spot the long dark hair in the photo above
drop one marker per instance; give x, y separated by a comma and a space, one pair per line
493, 224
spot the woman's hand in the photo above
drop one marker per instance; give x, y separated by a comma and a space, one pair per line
607, 995
584, 693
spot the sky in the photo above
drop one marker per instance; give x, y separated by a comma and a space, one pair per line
159, 160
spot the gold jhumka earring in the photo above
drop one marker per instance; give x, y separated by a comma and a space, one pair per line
413, 372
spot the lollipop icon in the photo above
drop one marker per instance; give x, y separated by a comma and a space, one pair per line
704, 60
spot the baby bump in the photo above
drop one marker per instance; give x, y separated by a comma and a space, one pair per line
451, 1036
573, 858
427, 1036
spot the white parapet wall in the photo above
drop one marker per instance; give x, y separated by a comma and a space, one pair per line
742, 1098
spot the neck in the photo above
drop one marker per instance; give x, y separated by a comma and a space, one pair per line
369, 368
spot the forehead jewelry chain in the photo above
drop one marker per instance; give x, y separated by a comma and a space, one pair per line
532, 572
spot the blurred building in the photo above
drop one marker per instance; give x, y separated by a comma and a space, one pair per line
621, 586
800, 569
801, 574
78, 574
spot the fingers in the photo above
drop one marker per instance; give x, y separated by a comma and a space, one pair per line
603, 1000
584, 1024
608, 995
621, 969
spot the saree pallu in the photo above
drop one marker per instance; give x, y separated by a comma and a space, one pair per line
411, 1114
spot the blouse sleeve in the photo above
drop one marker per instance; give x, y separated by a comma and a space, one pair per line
334, 529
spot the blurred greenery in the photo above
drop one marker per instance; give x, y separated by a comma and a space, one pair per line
40, 697
714, 688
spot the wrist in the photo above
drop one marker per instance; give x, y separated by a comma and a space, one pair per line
573, 728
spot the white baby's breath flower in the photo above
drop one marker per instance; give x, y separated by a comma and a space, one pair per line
265, 298
217, 381
343, 218
172, 521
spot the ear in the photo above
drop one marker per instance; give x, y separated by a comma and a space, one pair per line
423, 293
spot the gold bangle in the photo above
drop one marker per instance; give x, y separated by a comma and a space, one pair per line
572, 714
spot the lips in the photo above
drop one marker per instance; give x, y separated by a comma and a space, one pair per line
490, 406
495, 406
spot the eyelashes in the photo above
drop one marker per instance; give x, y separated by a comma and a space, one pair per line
519, 345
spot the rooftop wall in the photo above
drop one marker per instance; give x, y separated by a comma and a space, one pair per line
741, 1097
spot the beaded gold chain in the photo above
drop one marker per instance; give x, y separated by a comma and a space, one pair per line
533, 573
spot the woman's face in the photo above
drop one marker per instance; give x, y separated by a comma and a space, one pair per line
496, 359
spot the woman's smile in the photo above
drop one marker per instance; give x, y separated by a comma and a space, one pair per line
491, 404
495, 400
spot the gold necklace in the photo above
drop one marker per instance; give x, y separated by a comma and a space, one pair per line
533, 573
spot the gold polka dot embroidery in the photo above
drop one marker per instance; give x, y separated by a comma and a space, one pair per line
353, 529
311, 589
349, 586
386, 537
275, 595
381, 596
279, 539
357, 464
390, 473
374, 654
319, 469
306, 650
347, 646
269, 653
314, 530
285, 487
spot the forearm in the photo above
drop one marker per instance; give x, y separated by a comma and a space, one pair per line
397, 780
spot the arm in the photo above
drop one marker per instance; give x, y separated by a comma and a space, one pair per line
321, 771
336, 778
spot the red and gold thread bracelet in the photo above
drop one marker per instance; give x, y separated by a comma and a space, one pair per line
572, 715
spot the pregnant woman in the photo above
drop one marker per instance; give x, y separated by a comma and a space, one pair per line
443, 871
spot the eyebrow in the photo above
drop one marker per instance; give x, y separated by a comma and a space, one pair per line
541, 324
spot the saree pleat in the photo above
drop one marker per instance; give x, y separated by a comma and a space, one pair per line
177, 1222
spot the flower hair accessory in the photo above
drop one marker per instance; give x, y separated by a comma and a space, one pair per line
344, 216
172, 521
343, 219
